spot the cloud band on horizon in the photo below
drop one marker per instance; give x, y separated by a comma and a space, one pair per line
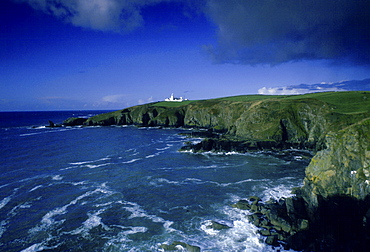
352, 85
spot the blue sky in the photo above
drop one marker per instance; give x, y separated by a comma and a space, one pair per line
111, 54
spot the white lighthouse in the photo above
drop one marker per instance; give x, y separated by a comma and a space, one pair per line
175, 99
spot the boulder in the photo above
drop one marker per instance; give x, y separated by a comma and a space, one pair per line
218, 226
180, 246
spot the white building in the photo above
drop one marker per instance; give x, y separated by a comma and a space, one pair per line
175, 99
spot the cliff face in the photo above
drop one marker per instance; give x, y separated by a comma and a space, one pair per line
343, 168
144, 115
331, 212
301, 123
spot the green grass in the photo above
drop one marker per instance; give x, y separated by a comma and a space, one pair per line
173, 104
105, 116
347, 102
248, 98
350, 102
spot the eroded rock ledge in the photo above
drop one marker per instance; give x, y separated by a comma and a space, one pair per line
331, 212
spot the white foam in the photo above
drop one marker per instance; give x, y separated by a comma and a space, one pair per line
138, 212
159, 181
121, 242
57, 177
34, 247
242, 236
40, 246
194, 180
47, 219
79, 183
93, 220
280, 191
35, 188
131, 161
241, 182
91, 161
162, 149
5, 201
3, 224
1, 186
15, 209
96, 166
154, 155
52, 130
67, 168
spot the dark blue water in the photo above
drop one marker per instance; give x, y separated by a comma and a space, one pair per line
125, 188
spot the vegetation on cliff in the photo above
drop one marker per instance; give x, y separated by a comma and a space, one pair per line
331, 212
299, 121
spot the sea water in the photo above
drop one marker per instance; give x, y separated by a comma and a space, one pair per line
126, 188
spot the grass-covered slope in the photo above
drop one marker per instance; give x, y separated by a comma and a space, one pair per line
295, 119
331, 212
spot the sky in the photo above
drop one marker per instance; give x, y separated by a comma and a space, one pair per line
112, 54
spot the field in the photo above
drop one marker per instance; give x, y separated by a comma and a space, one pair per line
348, 102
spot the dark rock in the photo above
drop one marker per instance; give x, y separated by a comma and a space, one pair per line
264, 232
218, 226
53, 125
255, 208
272, 240
175, 247
331, 210
242, 204
74, 121
254, 199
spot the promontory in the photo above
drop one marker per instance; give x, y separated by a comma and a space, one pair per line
331, 211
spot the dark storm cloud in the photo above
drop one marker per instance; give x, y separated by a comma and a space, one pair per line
276, 31
249, 31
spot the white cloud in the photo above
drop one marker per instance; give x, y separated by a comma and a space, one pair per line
105, 15
353, 85
293, 91
118, 98
148, 100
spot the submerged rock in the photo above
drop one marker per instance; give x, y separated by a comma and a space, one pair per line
180, 246
218, 226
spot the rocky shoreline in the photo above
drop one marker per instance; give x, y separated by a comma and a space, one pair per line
331, 211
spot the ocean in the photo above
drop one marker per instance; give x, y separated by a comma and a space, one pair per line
124, 188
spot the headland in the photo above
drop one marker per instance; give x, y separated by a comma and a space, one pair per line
331, 211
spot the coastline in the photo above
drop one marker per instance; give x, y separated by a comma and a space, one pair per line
331, 211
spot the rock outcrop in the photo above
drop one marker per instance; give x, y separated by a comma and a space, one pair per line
288, 123
179, 246
255, 123
331, 212
74, 121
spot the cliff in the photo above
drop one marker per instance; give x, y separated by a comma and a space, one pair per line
300, 121
331, 211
